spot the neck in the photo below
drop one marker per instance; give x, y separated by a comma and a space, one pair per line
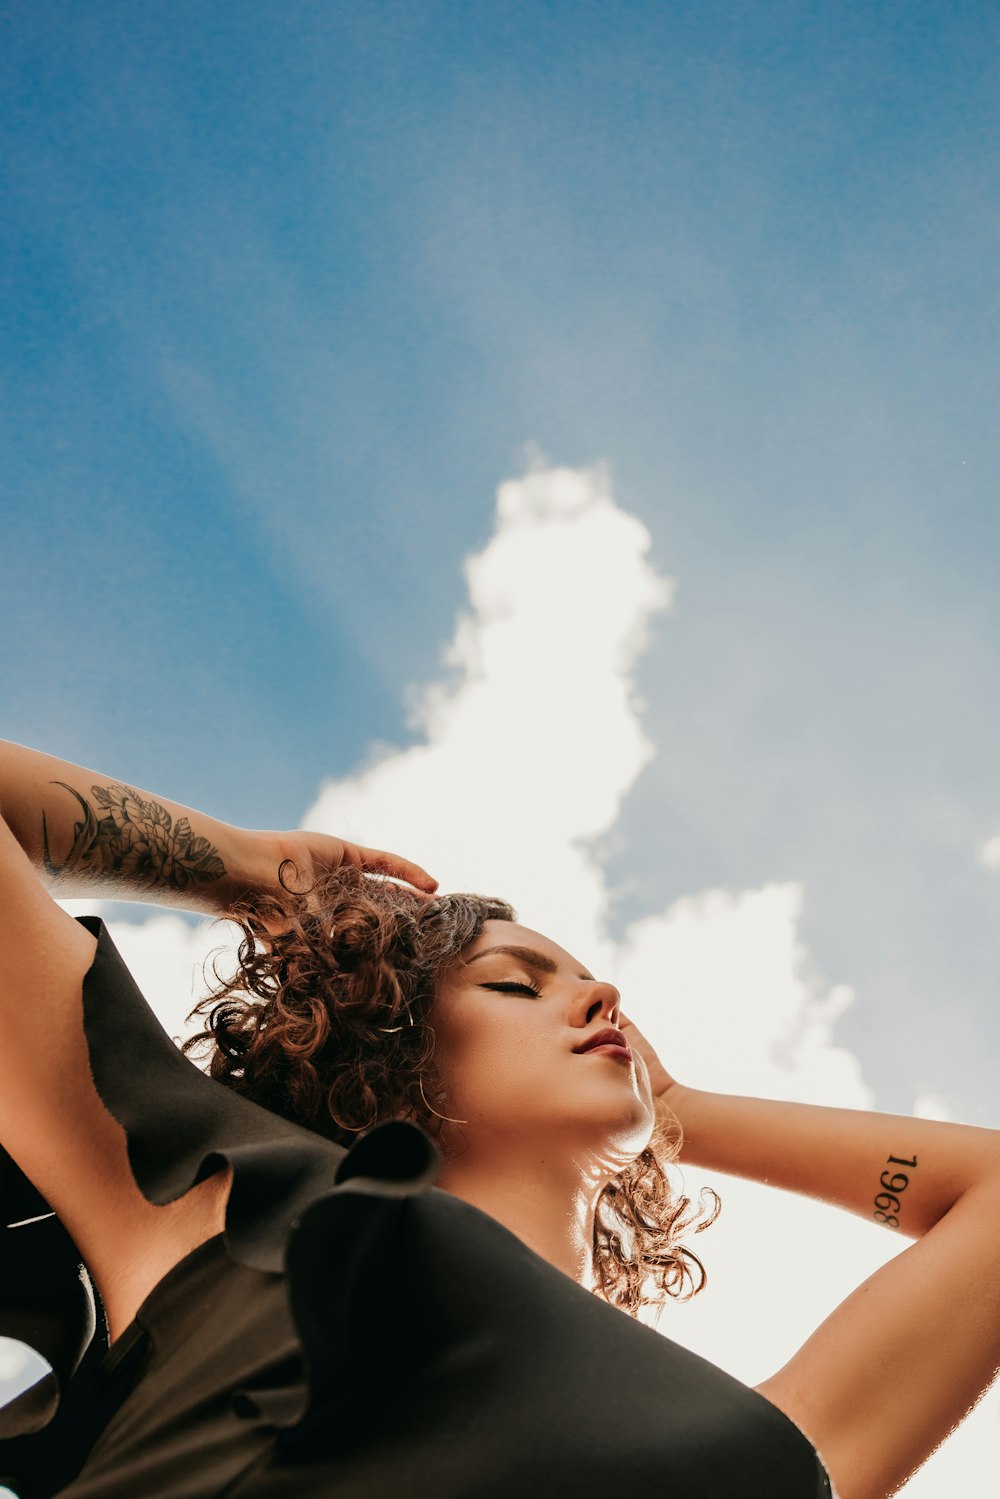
550, 1208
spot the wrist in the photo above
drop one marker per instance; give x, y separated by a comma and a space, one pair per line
683, 1103
252, 857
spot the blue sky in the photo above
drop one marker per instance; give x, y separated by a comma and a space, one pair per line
289, 291
285, 294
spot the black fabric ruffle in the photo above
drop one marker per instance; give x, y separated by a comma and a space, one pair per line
298, 1203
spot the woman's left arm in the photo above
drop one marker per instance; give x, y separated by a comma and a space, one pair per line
901, 1172
902, 1360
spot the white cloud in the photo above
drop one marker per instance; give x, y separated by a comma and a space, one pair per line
989, 854
720, 976
932, 1106
532, 745
530, 741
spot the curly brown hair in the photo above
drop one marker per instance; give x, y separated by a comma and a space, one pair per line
327, 1021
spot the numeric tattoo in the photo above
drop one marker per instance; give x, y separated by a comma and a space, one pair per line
134, 839
893, 1190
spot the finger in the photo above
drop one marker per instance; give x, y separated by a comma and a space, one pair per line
381, 862
382, 878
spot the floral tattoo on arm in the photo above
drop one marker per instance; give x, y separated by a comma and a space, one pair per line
136, 840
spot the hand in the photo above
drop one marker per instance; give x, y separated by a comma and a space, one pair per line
660, 1080
315, 854
312, 855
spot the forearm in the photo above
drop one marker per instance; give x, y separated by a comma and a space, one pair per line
847, 1157
91, 836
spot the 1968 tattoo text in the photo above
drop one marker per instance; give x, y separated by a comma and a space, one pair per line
894, 1188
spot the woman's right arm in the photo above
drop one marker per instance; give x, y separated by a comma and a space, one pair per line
52, 1121
88, 835
67, 832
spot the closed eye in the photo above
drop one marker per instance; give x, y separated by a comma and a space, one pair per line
512, 988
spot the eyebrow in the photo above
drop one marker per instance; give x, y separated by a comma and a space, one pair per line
529, 955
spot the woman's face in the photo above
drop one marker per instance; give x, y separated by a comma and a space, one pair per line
509, 1028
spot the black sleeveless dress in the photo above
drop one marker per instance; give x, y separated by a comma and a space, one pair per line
355, 1331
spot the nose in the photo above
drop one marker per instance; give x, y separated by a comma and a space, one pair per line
602, 999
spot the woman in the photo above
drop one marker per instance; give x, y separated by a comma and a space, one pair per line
385, 1243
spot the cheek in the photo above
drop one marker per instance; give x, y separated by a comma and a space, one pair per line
496, 1070
484, 1058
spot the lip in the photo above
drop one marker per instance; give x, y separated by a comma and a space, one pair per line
610, 1049
609, 1038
